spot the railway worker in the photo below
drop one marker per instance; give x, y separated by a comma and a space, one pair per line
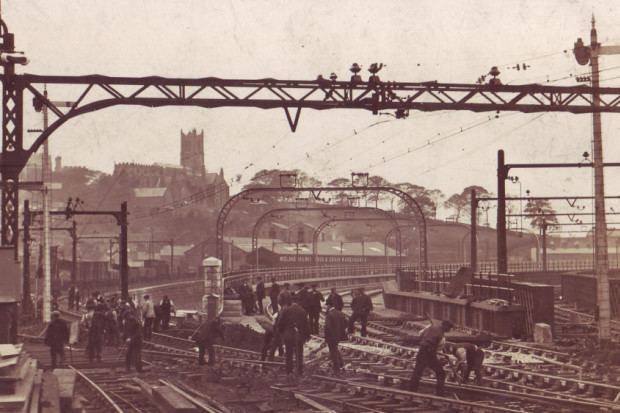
361, 306
167, 308
293, 328
56, 336
469, 357
335, 332
285, 298
303, 296
132, 333
112, 330
96, 329
148, 314
71, 297
205, 337
91, 302
260, 294
274, 292
272, 341
334, 300
431, 338
78, 299
247, 298
158, 315
315, 303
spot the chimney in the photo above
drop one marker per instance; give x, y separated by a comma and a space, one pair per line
57, 164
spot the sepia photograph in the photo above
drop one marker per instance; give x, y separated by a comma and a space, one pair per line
271, 206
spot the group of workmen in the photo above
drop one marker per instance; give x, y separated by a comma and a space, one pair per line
104, 321
469, 357
297, 318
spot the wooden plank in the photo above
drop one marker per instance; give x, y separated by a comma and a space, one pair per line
35, 395
50, 397
315, 405
18, 400
10, 350
66, 383
171, 401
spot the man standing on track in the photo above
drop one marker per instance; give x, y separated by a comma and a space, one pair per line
205, 338
56, 336
166, 307
132, 334
96, 333
335, 332
361, 306
315, 303
334, 300
148, 314
431, 338
293, 328
274, 292
260, 294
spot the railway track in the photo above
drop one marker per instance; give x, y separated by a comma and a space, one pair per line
115, 392
532, 377
377, 366
360, 396
565, 314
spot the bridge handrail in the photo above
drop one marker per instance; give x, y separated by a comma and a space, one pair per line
280, 274
439, 271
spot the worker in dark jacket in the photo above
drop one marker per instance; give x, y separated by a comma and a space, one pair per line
303, 297
205, 338
132, 333
315, 303
260, 294
285, 298
293, 328
56, 336
431, 338
166, 307
361, 306
274, 292
334, 300
272, 342
335, 332
96, 333
469, 357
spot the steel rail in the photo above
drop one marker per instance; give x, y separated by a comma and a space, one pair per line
452, 403
98, 389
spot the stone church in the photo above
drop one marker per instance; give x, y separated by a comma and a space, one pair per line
159, 185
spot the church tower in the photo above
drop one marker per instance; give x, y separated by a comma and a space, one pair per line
193, 152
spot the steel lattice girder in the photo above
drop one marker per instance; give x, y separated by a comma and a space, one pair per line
84, 94
97, 92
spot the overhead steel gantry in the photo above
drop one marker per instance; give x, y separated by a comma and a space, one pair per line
327, 211
414, 208
85, 94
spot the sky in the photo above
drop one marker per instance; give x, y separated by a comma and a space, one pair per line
448, 41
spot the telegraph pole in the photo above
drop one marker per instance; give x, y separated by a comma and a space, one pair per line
502, 248
584, 55
473, 260
26, 303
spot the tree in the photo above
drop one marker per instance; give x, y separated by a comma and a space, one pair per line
460, 203
426, 198
272, 178
543, 213
377, 196
341, 198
